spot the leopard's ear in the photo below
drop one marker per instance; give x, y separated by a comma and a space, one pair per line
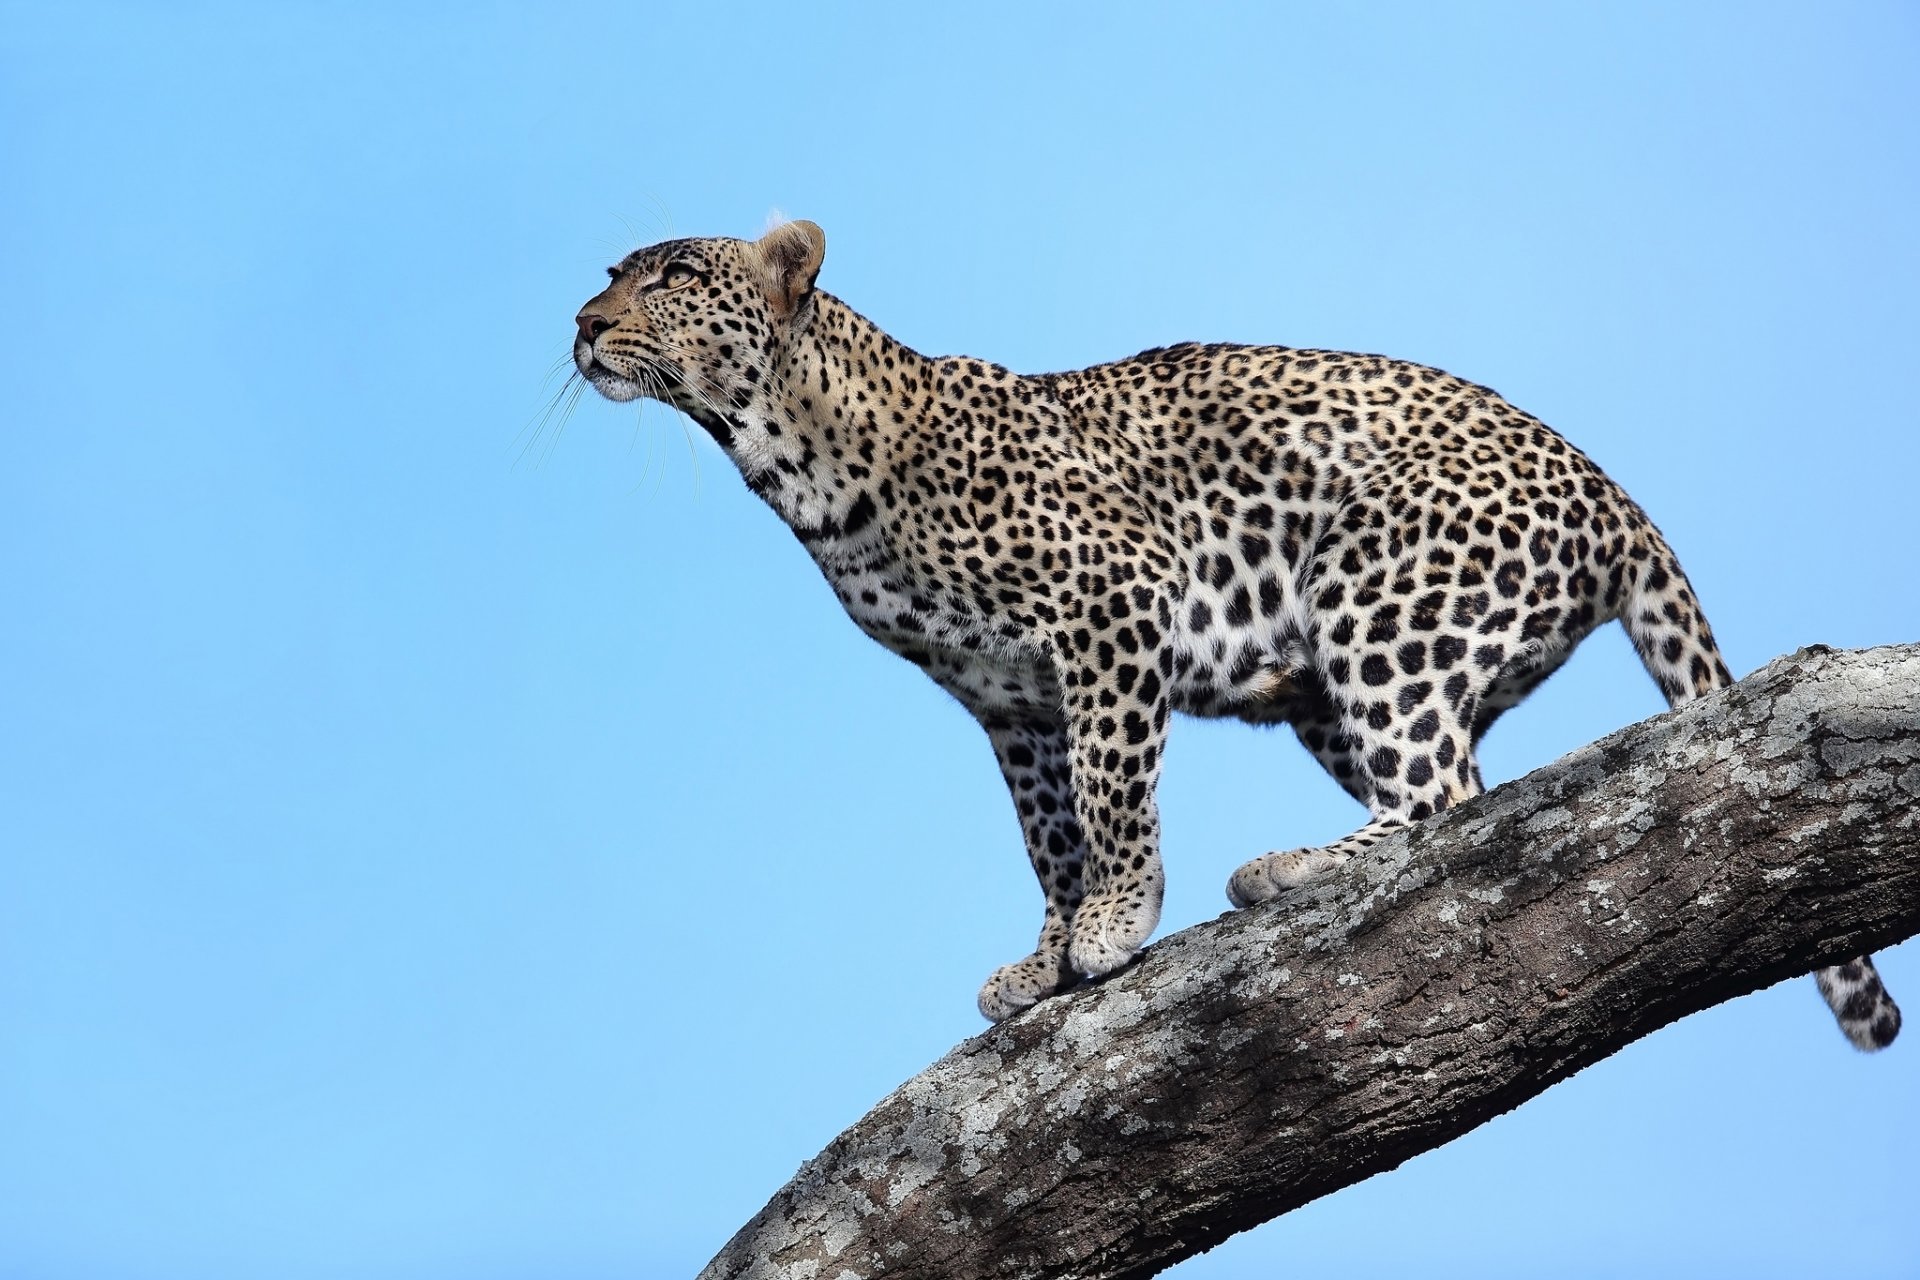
792, 253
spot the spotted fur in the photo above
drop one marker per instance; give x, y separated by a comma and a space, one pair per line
1377, 554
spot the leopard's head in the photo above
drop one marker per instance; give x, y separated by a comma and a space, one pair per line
700, 324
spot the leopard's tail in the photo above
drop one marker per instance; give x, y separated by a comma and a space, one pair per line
1664, 620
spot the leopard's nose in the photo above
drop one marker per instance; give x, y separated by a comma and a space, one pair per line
591, 325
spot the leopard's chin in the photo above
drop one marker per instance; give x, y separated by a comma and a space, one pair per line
608, 383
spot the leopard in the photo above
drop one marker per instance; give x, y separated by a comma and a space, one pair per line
1378, 555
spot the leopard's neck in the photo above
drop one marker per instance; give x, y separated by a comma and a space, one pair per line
849, 401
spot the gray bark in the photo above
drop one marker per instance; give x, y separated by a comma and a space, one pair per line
1246, 1066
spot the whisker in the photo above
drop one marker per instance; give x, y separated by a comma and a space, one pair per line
692, 453
576, 390
639, 420
666, 215
567, 395
681, 418
769, 375
690, 381
646, 370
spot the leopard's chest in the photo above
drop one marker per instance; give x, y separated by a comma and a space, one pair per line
888, 602
974, 648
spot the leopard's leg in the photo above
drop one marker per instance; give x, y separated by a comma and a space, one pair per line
1113, 669
1525, 671
1316, 723
1034, 760
1405, 746
1115, 744
1272, 874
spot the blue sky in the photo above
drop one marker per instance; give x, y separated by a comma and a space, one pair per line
429, 855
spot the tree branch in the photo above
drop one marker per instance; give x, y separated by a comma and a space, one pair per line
1246, 1066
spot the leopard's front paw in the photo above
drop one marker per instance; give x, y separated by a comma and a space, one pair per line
1022, 984
1272, 874
1107, 931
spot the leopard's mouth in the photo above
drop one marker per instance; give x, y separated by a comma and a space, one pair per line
647, 377
608, 382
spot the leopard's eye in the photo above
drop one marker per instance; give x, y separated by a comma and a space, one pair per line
678, 275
